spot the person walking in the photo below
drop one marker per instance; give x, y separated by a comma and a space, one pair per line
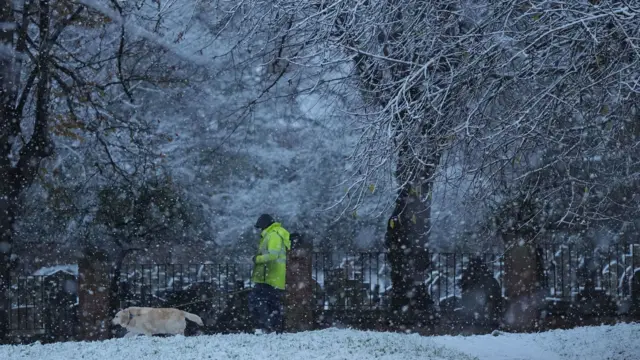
269, 275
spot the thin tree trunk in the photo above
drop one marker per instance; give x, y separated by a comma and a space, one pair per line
16, 176
7, 174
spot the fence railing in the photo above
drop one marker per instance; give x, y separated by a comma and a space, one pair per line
342, 281
156, 285
42, 303
356, 280
568, 268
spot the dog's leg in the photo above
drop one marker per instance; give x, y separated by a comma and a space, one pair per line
129, 334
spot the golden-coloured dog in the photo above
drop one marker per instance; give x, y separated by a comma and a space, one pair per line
151, 321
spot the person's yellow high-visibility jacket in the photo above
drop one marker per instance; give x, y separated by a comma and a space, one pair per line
271, 262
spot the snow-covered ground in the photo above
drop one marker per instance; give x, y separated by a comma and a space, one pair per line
620, 342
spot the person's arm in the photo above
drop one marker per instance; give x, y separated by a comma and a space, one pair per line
274, 249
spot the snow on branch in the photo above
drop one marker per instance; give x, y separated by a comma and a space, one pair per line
138, 31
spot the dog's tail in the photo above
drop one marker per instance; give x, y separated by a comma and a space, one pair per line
193, 317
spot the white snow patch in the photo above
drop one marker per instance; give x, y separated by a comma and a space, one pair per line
590, 343
71, 269
587, 343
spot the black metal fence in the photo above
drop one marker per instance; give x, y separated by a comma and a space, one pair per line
43, 306
568, 268
342, 281
157, 285
363, 280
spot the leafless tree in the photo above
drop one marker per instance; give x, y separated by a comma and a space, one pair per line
67, 69
525, 94
20, 155
559, 149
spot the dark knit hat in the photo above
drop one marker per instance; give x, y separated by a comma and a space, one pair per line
264, 221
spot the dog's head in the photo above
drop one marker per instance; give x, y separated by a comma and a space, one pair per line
122, 317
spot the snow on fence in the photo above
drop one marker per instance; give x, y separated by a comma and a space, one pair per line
363, 280
152, 284
343, 277
343, 280
567, 269
43, 302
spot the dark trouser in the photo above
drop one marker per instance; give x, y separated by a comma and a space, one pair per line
265, 305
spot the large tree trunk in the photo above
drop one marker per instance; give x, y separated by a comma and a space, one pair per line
408, 233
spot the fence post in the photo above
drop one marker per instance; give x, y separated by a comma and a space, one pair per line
522, 287
299, 289
93, 295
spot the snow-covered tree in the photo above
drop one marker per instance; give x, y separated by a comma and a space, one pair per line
67, 70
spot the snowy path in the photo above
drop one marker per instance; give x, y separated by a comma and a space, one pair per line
621, 342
